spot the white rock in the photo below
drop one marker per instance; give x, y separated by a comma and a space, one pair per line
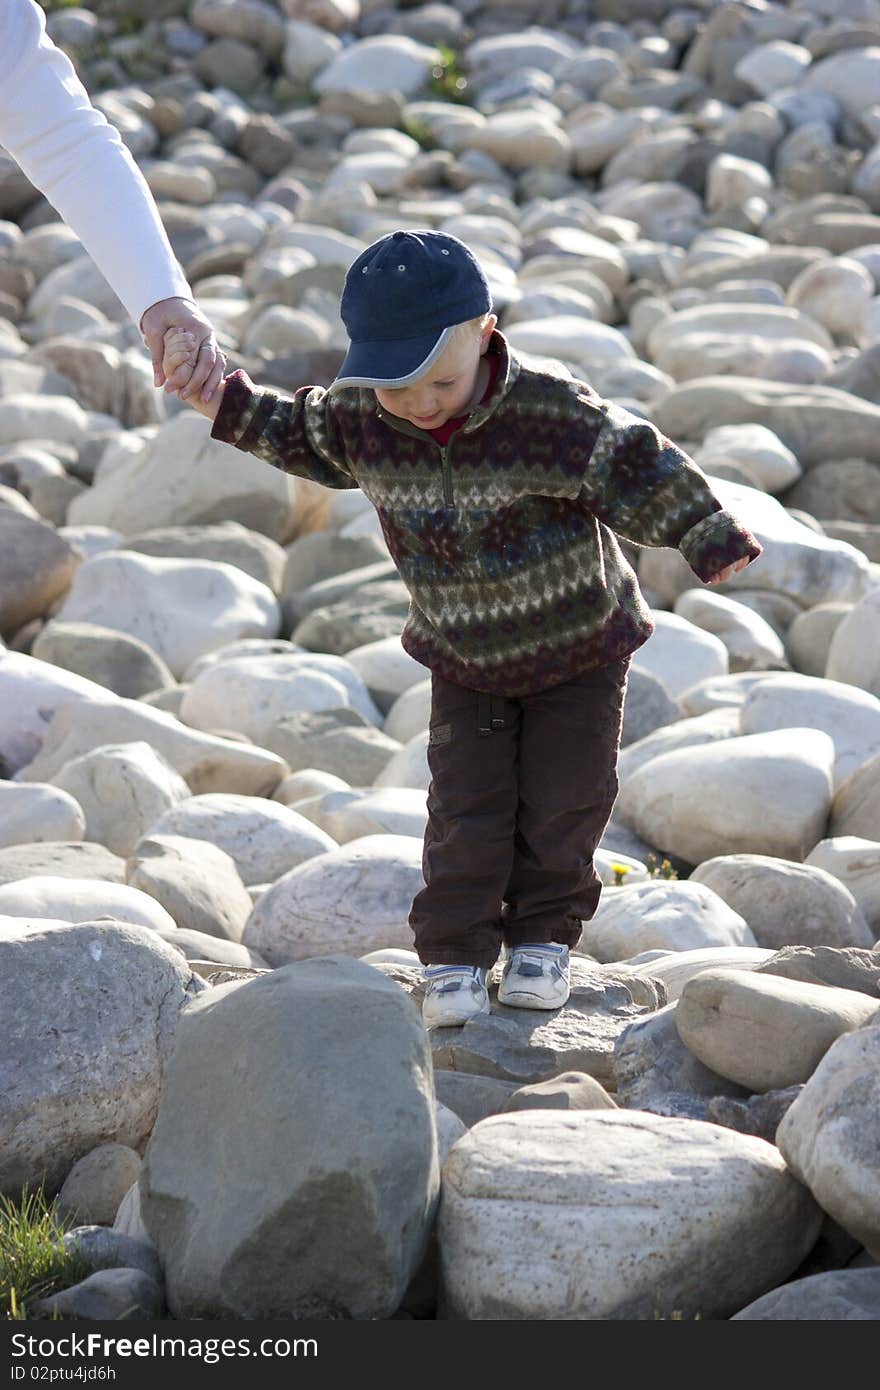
680, 654
409, 767
615, 1215
349, 815
180, 608
829, 1135
521, 140
730, 180
39, 812
850, 717
852, 76
677, 967
308, 49
856, 863
208, 763
786, 904
759, 794
382, 171
704, 728
279, 331
796, 562
57, 418
411, 712
308, 783
31, 691
197, 883
122, 788
251, 693
854, 654
572, 338
770, 66
81, 900
386, 669
350, 901
183, 476
762, 452
264, 838
835, 293
386, 64
662, 916
750, 641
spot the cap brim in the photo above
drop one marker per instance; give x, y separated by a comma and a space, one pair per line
391, 364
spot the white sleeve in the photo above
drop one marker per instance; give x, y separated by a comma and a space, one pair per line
72, 154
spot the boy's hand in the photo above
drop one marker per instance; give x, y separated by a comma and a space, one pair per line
180, 349
730, 569
206, 369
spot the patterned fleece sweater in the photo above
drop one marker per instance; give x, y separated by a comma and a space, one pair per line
505, 536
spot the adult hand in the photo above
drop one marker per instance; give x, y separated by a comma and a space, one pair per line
210, 362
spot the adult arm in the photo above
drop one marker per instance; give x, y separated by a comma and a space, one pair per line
71, 153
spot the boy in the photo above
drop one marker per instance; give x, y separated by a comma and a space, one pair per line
497, 487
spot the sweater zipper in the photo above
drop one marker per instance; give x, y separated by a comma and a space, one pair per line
445, 450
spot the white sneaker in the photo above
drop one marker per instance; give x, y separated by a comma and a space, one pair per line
535, 977
453, 994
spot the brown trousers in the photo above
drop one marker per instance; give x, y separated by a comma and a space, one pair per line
521, 792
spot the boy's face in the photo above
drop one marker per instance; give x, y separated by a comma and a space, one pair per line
447, 388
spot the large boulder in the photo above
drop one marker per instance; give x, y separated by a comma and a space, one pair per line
837, 1295
39, 812
31, 692
338, 1057
613, 1215
196, 882
81, 900
89, 1016
851, 717
830, 1139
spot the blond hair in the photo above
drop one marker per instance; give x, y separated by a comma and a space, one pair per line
470, 326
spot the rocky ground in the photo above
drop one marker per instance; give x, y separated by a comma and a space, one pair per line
213, 745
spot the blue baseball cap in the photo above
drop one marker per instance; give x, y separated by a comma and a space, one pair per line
403, 297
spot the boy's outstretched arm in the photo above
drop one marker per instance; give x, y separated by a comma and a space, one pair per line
646, 489
298, 434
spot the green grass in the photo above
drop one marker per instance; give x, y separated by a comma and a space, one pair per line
33, 1262
447, 79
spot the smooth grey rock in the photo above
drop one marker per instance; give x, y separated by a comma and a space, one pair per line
570, 1090
103, 1247
227, 541
122, 788
196, 882
60, 859
106, 1295
39, 812
208, 763
674, 915
855, 862
36, 569
120, 991
124, 664
472, 1097
838, 1295
651, 1064
325, 1233
96, 1184
335, 741
855, 809
842, 968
